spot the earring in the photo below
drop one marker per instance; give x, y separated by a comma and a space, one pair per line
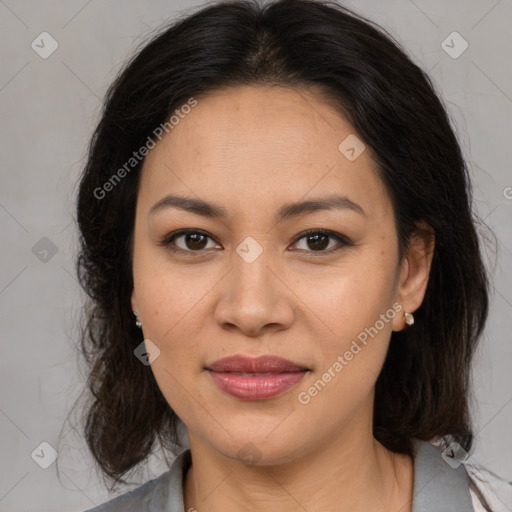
409, 319
138, 323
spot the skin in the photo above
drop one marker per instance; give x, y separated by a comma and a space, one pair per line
251, 150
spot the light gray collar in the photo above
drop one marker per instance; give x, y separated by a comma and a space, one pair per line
437, 486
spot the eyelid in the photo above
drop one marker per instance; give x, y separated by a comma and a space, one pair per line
343, 241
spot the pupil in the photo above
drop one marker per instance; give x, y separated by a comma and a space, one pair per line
319, 245
192, 241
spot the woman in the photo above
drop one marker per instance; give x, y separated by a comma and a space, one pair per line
277, 195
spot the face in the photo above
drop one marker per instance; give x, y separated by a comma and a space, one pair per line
320, 286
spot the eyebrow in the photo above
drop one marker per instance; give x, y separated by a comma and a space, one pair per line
213, 211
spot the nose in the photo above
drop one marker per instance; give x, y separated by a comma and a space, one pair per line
254, 298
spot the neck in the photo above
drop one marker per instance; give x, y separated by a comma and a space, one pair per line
353, 473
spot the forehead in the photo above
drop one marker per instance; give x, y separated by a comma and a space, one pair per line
247, 145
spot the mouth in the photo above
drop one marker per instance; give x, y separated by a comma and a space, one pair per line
257, 374
255, 365
255, 378
256, 386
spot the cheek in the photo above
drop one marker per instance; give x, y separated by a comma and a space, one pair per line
350, 297
172, 297
169, 373
354, 305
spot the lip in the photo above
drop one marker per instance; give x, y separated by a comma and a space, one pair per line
258, 378
261, 364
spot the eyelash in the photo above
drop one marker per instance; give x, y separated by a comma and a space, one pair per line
169, 239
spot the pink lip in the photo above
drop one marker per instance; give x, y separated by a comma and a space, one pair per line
261, 364
256, 387
274, 375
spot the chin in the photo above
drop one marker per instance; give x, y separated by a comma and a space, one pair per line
258, 448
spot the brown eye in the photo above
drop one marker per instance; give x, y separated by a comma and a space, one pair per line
190, 241
195, 241
318, 241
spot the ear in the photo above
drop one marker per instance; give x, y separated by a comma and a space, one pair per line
414, 273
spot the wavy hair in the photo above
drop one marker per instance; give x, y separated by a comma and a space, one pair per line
424, 388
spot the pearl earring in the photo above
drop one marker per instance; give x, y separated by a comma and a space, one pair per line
138, 323
409, 319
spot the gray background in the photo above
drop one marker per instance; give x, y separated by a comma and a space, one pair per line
48, 110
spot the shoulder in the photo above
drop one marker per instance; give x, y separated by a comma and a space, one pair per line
140, 498
162, 493
450, 480
441, 482
487, 486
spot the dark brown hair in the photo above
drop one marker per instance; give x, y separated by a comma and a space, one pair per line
423, 390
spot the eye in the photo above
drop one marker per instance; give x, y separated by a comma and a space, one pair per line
194, 240
318, 240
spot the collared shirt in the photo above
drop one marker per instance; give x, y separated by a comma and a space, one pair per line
438, 487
